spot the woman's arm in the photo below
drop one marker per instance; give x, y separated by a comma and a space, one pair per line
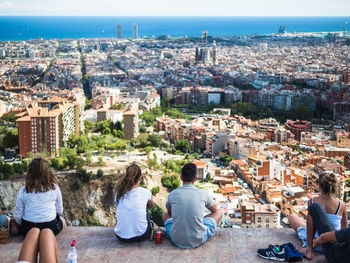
19, 210
59, 203
150, 203
344, 220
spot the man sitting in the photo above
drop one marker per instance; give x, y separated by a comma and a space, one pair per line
184, 219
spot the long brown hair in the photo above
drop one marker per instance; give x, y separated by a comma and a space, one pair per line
39, 178
131, 177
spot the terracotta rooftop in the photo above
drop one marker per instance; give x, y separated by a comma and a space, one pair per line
98, 244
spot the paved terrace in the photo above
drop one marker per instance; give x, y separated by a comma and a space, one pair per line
98, 244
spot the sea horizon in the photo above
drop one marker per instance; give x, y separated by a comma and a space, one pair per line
19, 28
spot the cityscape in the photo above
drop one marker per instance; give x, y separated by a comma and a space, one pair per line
260, 115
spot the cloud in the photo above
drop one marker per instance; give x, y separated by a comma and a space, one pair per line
8, 5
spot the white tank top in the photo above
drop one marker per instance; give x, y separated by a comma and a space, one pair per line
334, 218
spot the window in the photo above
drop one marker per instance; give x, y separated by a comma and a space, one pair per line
267, 219
275, 218
267, 225
259, 225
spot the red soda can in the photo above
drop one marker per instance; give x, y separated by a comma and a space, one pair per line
159, 237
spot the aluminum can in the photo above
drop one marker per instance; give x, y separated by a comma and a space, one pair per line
159, 235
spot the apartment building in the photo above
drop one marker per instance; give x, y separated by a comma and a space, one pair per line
343, 139
131, 121
255, 215
46, 126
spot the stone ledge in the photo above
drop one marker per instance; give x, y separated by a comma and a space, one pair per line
98, 244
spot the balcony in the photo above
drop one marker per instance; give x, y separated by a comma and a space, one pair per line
99, 245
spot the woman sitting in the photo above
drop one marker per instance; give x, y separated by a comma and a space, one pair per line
335, 209
132, 203
39, 202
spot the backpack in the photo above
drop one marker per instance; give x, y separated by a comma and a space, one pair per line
292, 255
4, 235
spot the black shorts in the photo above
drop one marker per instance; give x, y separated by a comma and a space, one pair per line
55, 225
143, 237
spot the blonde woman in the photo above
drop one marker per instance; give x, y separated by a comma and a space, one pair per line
335, 209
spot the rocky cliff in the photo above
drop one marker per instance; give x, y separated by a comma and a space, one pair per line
91, 204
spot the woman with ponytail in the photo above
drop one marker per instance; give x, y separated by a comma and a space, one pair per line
132, 204
335, 209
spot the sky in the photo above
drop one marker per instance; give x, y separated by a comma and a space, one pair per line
175, 7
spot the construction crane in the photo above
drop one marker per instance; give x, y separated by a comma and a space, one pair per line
205, 35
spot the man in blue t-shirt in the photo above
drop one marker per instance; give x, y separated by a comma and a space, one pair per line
184, 219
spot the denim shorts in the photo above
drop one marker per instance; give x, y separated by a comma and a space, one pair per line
4, 221
302, 234
207, 221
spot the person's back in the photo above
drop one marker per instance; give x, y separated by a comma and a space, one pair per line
39, 202
335, 211
186, 206
334, 208
132, 203
132, 214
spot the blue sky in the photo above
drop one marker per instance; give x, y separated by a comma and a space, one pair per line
176, 7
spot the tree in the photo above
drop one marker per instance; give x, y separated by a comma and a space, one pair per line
155, 190
10, 139
57, 163
155, 140
99, 173
147, 149
183, 146
89, 126
83, 175
70, 157
304, 113
195, 156
80, 143
118, 134
156, 215
226, 159
142, 129
171, 182
77, 184
141, 141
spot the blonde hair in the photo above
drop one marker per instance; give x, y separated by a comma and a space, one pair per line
327, 182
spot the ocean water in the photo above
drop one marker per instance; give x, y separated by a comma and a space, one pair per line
26, 27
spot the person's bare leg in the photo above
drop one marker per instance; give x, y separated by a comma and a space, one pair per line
165, 216
48, 247
310, 226
29, 250
295, 222
217, 215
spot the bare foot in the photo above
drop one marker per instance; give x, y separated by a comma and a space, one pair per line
307, 252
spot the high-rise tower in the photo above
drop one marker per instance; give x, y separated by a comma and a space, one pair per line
135, 31
119, 31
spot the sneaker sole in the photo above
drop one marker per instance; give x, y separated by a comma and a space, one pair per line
272, 258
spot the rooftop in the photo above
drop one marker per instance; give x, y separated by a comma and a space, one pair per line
98, 244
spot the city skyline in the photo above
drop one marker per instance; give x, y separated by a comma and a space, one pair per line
169, 8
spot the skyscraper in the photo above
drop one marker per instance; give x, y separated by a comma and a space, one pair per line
119, 31
135, 31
